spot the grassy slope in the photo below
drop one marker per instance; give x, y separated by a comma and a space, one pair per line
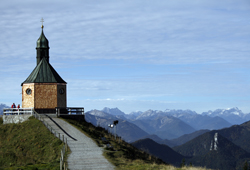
123, 155
28, 145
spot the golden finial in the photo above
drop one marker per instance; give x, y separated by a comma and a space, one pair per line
42, 23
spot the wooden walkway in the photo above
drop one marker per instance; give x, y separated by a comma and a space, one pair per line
85, 154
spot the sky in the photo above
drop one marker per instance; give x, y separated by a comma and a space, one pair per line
135, 54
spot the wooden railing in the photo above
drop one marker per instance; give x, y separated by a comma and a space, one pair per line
62, 161
18, 111
58, 135
58, 110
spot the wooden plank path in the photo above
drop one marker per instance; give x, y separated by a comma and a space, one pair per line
85, 154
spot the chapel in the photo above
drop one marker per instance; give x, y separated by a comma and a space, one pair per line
44, 89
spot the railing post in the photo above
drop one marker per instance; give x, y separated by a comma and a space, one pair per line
66, 145
61, 163
62, 155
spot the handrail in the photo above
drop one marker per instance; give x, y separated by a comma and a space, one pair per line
18, 111
57, 134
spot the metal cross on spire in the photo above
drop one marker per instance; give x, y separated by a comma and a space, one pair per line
42, 22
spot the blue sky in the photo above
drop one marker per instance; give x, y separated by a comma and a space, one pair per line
133, 54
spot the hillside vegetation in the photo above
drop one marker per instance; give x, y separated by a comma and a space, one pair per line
232, 148
28, 145
122, 154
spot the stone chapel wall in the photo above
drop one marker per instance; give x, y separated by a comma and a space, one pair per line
45, 95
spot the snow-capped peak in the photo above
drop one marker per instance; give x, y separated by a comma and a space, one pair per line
225, 112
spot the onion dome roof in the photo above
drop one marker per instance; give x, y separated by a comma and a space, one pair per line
42, 41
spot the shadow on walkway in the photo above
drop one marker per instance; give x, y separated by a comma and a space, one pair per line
61, 128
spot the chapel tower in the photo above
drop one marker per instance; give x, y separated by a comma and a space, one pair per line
42, 48
44, 89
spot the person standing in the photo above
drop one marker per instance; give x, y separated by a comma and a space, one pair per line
18, 108
13, 106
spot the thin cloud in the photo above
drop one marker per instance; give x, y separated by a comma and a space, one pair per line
186, 52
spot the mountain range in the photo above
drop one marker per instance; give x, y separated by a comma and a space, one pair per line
209, 139
125, 129
215, 139
224, 149
232, 115
2, 106
167, 125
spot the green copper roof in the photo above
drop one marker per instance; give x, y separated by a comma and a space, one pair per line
42, 41
44, 73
